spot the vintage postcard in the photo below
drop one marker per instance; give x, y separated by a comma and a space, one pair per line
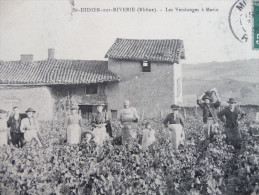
129, 97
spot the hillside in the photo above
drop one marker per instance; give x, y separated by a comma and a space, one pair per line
238, 79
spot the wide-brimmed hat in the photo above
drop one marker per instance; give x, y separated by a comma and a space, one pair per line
231, 101
175, 107
206, 97
2, 111
30, 110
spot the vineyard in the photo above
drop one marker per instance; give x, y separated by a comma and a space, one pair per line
198, 167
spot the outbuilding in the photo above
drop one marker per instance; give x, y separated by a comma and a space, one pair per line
150, 72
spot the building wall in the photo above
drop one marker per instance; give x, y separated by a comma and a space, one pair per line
65, 94
44, 99
151, 93
78, 95
39, 98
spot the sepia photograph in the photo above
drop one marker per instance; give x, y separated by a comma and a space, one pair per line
129, 97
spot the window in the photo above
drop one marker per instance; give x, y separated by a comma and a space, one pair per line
114, 114
91, 89
86, 111
146, 66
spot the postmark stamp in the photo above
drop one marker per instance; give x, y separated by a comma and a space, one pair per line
256, 25
240, 20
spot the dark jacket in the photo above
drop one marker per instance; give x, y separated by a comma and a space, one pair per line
231, 118
15, 124
209, 110
173, 120
99, 118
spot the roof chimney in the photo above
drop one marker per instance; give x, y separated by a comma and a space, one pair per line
26, 57
51, 52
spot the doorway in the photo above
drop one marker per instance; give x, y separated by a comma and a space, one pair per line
86, 111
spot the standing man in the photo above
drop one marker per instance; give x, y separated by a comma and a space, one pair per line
128, 117
30, 126
231, 117
14, 122
175, 123
209, 114
128, 113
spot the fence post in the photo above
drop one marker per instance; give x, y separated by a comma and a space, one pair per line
142, 117
196, 111
65, 109
161, 113
184, 112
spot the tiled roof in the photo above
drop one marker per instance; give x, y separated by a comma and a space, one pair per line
164, 50
54, 71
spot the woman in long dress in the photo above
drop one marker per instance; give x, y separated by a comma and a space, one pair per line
129, 119
175, 123
3, 128
99, 122
74, 126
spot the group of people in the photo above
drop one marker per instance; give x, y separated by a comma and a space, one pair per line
100, 123
101, 126
209, 102
24, 127
174, 123
230, 116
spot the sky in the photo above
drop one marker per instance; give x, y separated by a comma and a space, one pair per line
33, 26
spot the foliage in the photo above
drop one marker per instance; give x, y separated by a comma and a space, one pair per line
198, 168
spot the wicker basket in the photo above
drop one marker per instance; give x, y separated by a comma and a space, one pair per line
254, 130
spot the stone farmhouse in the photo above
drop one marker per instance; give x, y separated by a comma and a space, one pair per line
147, 72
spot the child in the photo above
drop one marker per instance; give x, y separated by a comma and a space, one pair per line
148, 137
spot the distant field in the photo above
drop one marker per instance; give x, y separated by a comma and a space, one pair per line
236, 79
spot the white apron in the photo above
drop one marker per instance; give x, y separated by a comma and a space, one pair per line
176, 134
100, 135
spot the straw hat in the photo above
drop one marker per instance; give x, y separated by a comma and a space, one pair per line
2, 111
30, 110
